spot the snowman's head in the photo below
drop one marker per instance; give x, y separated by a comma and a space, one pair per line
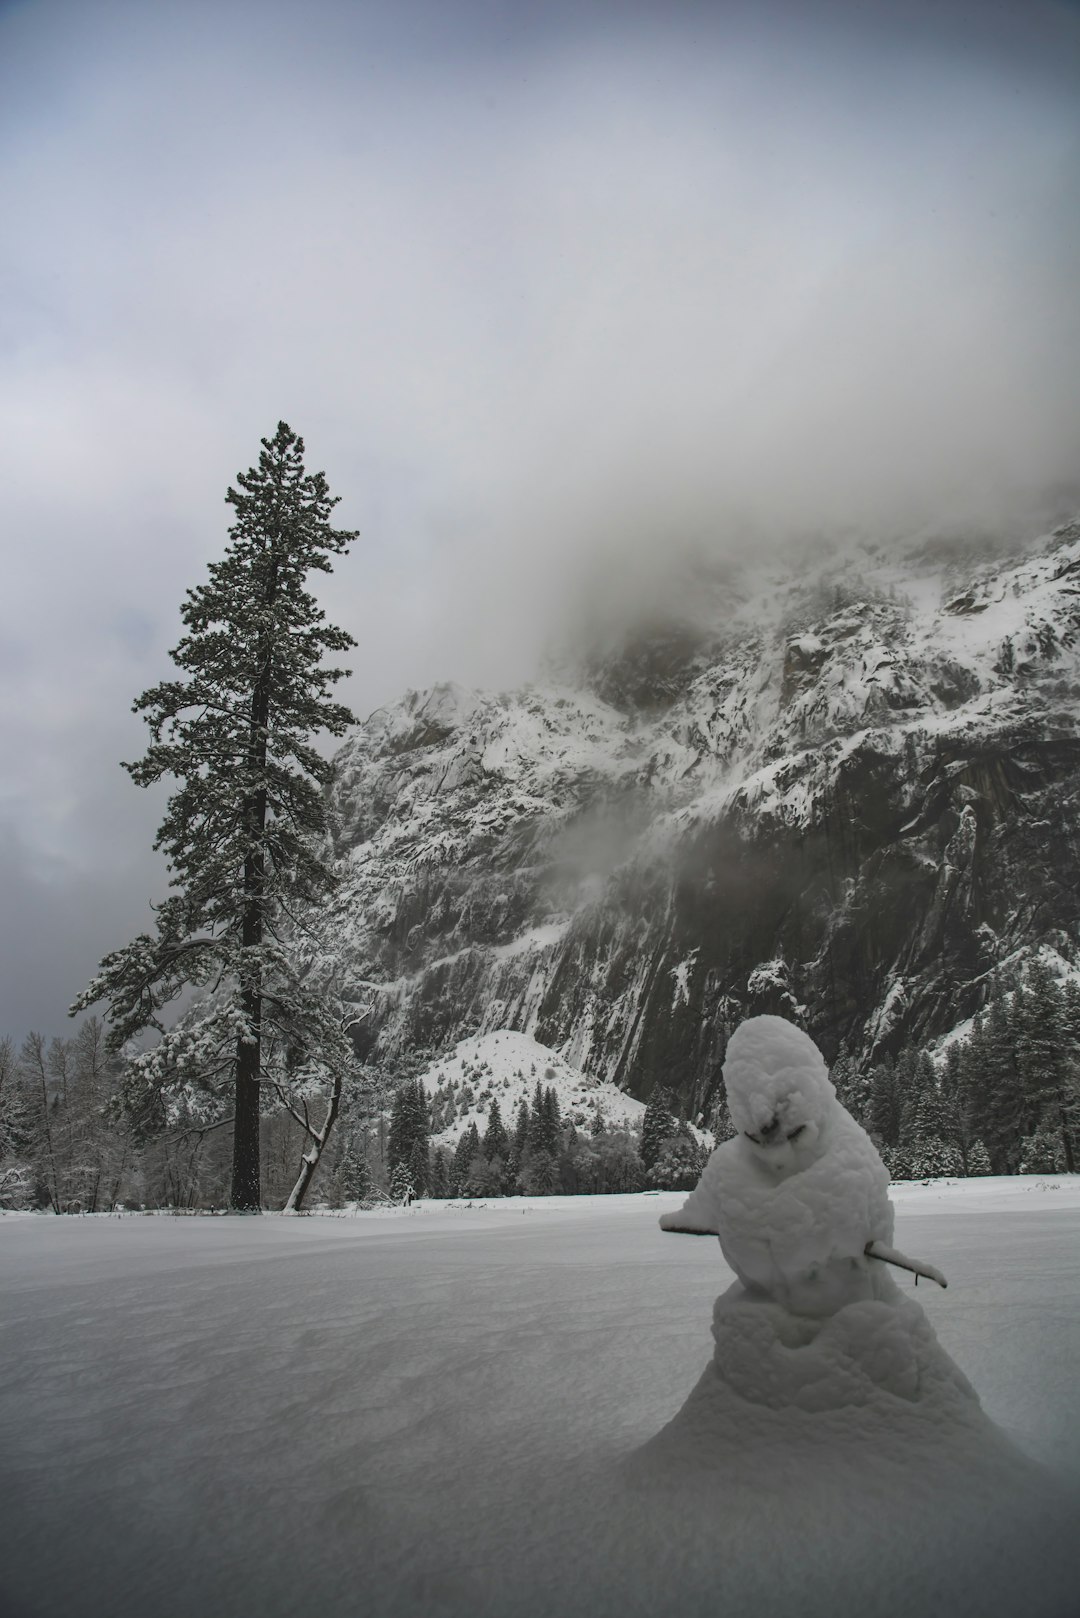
779, 1094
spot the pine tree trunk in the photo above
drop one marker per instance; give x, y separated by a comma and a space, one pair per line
246, 1183
246, 1194
246, 1186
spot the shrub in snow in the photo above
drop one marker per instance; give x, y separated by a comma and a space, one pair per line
1042, 1153
929, 1159
677, 1166
16, 1184
978, 1160
401, 1186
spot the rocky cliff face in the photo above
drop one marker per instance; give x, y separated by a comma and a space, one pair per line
847, 791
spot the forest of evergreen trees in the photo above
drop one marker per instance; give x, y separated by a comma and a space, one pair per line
538, 1154
1004, 1098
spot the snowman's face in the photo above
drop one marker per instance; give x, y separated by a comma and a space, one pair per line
785, 1146
779, 1094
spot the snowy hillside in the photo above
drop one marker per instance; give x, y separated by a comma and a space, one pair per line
845, 788
506, 1067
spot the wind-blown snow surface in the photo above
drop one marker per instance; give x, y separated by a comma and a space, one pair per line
433, 1412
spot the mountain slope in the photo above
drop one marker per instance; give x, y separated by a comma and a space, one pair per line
847, 790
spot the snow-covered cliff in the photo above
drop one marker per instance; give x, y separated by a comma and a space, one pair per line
845, 788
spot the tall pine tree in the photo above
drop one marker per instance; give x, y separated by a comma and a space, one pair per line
658, 1125
244, 831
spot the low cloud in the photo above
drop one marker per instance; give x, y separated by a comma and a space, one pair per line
549, 296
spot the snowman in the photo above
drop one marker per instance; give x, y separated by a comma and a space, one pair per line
799, 1198
831, 1446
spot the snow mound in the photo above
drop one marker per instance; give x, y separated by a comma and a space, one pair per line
506, 1066
863, 1358
855, 1456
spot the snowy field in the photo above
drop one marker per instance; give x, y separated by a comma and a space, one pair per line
430, 1412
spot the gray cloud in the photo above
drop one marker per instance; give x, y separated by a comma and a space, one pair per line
538, 284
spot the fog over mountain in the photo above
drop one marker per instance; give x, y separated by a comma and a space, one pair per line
552, 292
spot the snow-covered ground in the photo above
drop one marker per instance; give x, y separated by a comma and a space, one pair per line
429, 1412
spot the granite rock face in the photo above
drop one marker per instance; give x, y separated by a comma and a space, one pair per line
846, 792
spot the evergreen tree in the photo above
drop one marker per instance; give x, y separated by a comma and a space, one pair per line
932, 1159
915, 1082
401, 1186
658, 1125
534, 1141
678, 1164
552, 1120
995, 1113
1043, 1058
852, 1089
926, 1119
354, 1172
487, 1176
539, 1175
722, 1126
1070, 1015
468, 1148
440, 1173
978, 1159
520, 1138
408, 1124
419, 1166
544, 1122
496, 1142
884, 1110
953, 1111
1041, 1152
244, 831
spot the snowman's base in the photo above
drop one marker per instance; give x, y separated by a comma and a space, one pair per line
870, 1378
848, 1462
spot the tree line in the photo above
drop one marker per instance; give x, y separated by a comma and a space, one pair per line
77, 1136
538, 1153
1003, 1099
80, 1132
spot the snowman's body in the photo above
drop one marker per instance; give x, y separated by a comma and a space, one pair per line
796, 1196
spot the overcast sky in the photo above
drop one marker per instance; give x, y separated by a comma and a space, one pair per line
534, 282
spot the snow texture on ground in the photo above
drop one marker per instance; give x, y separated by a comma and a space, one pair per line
448, 1411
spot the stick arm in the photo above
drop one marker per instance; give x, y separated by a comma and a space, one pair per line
892, 1255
